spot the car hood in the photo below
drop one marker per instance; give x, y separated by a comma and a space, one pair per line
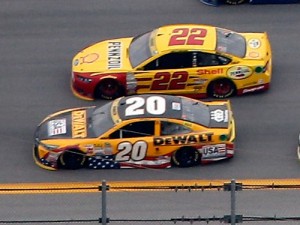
104, 56
73, 123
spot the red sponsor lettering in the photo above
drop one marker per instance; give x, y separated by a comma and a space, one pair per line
206, 71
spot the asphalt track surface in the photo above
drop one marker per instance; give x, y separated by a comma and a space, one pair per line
38, 39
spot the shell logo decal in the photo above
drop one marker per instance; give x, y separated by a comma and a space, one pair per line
239, 72
89, 58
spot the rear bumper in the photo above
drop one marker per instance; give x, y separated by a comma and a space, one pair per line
218, 2
229, 153
253, 89
211, 2
273, 1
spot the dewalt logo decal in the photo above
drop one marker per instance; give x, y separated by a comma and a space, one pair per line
79, 124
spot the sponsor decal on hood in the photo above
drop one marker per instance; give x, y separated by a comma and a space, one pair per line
114, 55
103, 57
57, 127
79, 124
66, 125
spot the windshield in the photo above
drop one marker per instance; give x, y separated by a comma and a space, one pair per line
231, 43
139, 49
195, 111
101, 119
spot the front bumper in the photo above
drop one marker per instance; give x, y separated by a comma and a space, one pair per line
41, 159
42, 162
79, 93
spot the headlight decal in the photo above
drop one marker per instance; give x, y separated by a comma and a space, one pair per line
48, 147
84, 79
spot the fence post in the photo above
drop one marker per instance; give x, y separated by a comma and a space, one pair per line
232, 196
104, 219
233, 218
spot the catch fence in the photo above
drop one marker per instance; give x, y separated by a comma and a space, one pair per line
158, 203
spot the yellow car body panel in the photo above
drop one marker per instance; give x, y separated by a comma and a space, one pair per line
101, 55
183, 59
136, 135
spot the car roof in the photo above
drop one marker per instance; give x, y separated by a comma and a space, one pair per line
185, 34
148, 106
172, 108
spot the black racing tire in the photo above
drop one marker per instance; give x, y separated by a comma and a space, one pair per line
108, 89
72, 159
186, 157
221, 88
235, 2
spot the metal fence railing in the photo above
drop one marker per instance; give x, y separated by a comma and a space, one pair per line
95, 206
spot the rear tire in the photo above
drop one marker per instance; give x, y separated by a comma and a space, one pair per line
108, 89
235, 2
186, 157
221, 88
71, 159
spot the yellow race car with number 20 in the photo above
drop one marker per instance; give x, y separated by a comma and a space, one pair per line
185, 59
140, 131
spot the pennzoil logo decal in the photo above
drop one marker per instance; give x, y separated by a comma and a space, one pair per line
114, 55
79, 124
253, 54
239, 72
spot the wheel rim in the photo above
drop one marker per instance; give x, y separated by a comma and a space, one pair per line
222, 88
186, 157
189, 157
109, 88
72, 160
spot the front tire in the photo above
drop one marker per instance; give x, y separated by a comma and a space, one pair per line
186, 157
221, 88
71, 159
108, 89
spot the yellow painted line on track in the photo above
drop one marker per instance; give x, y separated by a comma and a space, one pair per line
135, 186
